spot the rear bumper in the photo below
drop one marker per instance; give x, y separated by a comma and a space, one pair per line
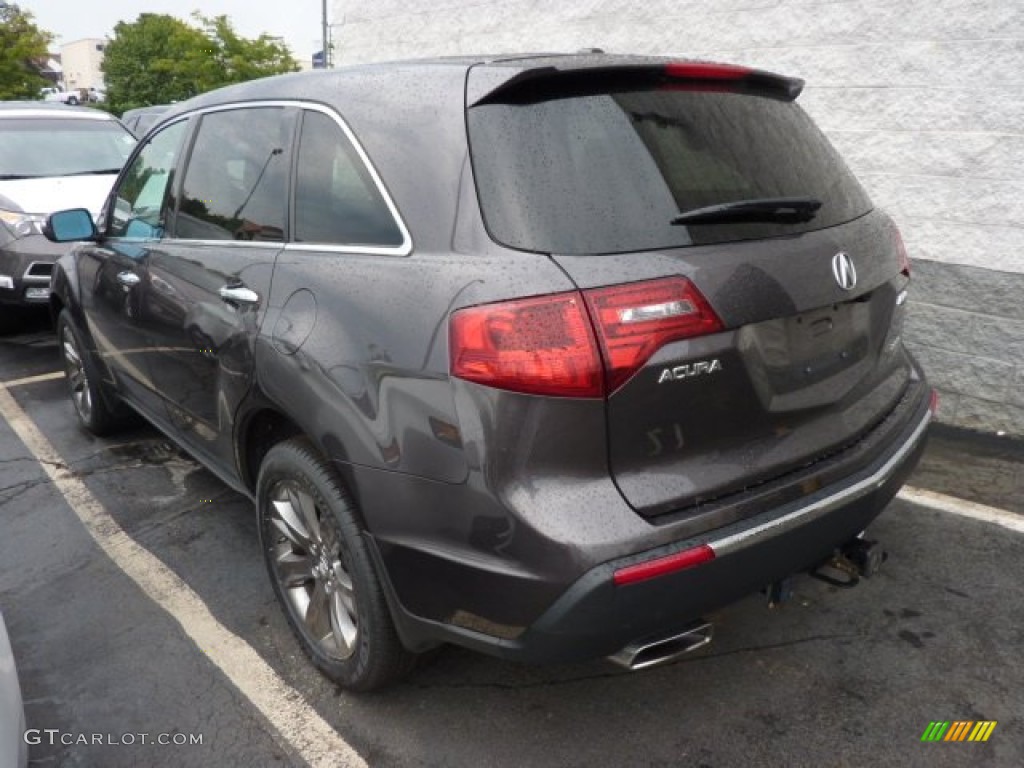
594, 617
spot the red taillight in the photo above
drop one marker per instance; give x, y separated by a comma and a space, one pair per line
546, 345
680, 561
901, 252
541, 346
697, 70
635, 320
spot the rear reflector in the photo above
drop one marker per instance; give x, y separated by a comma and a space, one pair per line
542, 345
663, 566
933, 404
635, 320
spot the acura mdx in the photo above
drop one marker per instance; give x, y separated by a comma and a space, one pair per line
545, 356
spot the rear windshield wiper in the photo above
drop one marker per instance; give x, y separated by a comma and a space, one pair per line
784, 209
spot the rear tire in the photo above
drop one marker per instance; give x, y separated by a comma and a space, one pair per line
322, 572
73, 101
83, 380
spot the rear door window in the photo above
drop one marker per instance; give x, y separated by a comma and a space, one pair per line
337, 201
607, 172
236, 183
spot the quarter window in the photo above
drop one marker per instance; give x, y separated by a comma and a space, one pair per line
336, 200
141, 204
236, 184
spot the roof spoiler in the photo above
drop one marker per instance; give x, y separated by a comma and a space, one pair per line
547, 82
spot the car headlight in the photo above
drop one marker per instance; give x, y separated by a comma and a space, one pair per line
23, 224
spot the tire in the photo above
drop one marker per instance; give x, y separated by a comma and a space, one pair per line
73, 101
90, 405
12, 318
322, 572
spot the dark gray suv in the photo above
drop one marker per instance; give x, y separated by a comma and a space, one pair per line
543, 356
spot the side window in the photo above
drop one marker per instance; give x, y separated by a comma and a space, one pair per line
141, 203
336, 200
236, 183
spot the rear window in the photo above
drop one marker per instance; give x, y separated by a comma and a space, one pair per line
44, 147
607, 172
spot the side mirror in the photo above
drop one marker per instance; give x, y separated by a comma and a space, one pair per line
68, 226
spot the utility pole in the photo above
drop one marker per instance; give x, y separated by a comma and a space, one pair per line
323, 30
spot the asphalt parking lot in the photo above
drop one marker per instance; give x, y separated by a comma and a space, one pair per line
137, 604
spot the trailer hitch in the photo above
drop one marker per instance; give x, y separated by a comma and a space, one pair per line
857, 558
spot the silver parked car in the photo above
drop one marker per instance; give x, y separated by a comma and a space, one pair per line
13, 750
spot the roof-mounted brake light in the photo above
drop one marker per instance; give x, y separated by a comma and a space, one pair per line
699, 70
706, 75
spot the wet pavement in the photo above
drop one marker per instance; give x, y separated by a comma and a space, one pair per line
843, 677
988, 469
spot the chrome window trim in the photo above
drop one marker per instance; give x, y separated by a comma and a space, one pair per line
290, 245
211, 243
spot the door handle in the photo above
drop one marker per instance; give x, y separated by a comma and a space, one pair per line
238, 294
128, 278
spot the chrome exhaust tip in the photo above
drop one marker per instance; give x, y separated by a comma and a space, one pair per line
650, 653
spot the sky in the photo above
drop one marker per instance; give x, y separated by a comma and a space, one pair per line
297, 21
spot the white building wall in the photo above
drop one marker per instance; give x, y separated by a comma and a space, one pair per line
82, 61
925, 99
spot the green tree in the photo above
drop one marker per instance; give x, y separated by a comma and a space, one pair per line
239, 59
159, 59
21, 43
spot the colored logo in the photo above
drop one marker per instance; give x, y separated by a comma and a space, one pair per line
959, 730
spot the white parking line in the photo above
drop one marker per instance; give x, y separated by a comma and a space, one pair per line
297, 723
963, 508
34, 379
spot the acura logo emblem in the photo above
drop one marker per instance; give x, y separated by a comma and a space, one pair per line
843, 271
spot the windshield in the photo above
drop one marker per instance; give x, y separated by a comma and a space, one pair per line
610, 172
40, 147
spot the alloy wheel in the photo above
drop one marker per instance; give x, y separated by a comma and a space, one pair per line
308, 564
74, 367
